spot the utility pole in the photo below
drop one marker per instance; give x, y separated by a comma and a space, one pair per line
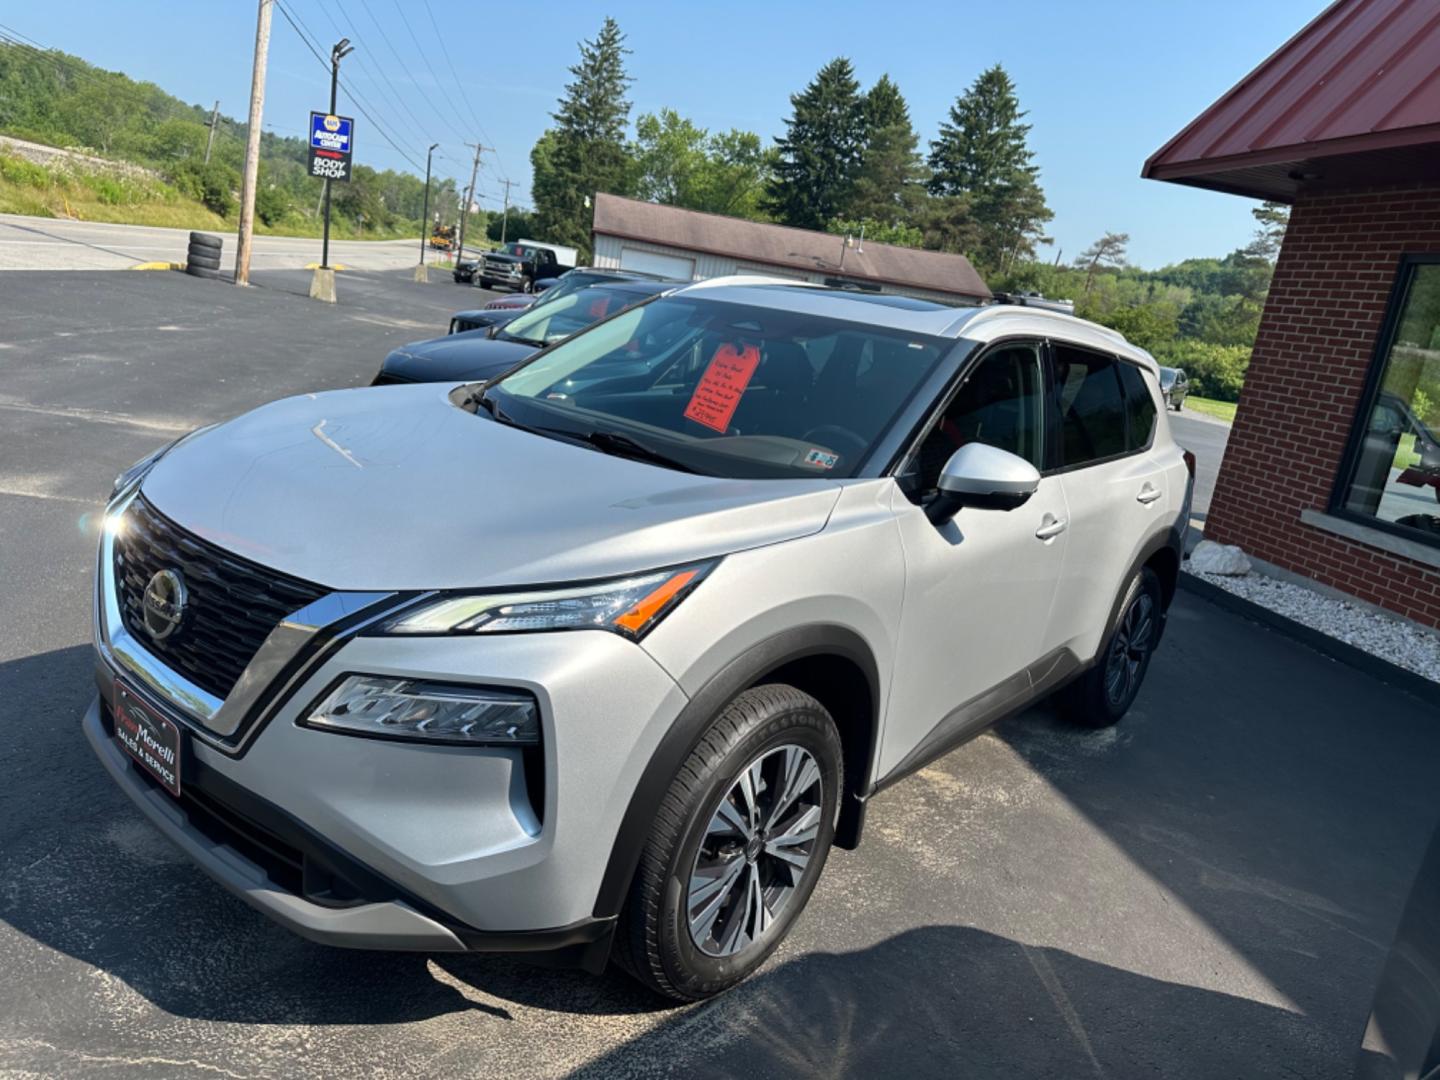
342, 49
252, 143
425, 215
505, 219
210, 139
469, 198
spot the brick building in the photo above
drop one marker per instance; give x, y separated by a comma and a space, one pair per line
1333, 466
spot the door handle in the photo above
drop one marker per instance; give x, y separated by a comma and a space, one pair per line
1050, 527
1148, 494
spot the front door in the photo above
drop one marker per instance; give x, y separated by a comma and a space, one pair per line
978, 588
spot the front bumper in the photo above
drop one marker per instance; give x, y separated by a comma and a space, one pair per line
433, 847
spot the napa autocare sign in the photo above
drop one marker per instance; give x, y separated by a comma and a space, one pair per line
330, 145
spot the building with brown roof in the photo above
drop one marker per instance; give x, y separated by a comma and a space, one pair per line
1333, 465
691, 245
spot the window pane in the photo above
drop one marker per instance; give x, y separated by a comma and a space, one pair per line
1139, 405
1397, 474
1000, 404
1091, 408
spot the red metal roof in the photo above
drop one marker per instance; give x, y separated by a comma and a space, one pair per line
1363, 78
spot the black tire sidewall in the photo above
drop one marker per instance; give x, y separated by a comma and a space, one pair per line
691, 971
204, 240
1105, 711
203, 262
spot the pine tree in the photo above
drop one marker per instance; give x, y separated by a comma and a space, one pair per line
982, 152
1107, 252
821, 150
585, 151
887, 181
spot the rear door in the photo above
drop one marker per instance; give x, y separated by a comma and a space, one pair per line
1103, 414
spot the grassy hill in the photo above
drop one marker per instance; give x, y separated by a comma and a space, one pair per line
58, 100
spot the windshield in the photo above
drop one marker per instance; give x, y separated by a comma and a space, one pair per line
558, 319
726, 389
1167, 377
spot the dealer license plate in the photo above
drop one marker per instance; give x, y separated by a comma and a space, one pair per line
151, 739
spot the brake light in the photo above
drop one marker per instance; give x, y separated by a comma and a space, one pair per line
1189, 462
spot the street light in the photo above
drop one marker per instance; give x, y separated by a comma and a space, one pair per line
342, 49
425, 216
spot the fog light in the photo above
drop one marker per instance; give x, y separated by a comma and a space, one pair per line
452, 713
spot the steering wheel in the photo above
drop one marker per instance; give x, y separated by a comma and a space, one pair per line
827, 435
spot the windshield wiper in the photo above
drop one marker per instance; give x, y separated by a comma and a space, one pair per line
505, 335
618, 445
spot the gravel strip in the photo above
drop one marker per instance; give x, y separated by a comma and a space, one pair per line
1403, 643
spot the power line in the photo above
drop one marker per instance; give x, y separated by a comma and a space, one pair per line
459, 85
377, 74
424, 59
350, 92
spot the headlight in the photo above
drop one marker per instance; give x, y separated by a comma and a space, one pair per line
631, 607
439, 712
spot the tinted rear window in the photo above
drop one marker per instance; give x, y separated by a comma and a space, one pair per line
1091, 407
1139, 406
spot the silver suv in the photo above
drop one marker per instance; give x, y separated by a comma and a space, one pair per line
601, 658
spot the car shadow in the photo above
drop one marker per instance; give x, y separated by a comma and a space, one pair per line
949, 1001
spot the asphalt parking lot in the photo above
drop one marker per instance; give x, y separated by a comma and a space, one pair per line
1208, 890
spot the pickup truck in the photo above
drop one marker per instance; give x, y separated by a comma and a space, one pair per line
518, 265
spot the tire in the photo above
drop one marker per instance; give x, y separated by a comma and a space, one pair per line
1096, 700
770, 733
526, 285
484, 284
203, 262
202, 272
205, 240
1179, 404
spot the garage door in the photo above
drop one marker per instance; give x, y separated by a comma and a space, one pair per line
651, 262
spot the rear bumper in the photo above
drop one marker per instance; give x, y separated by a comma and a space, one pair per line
391, 923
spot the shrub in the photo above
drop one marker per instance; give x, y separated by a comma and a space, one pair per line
109, 190
271, 205
1216, 371
19, 171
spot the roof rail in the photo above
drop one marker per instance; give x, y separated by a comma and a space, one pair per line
1036, 300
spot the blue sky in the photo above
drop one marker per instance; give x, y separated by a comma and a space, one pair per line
1106, 82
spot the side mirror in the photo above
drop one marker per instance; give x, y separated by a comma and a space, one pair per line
985, 477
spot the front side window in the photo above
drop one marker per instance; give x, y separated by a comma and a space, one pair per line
1393, 473
1001, 403
1090, 405
726, 389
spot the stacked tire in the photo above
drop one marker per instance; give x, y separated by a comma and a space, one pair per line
202, 258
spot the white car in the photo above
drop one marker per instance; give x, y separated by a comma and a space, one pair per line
602, 657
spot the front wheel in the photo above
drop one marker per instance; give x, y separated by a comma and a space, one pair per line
737, 846
1101, 696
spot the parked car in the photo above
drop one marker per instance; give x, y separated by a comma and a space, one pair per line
519, 264
464, 270
481, 318
483, 354
1175, 385
606, 673
571, 280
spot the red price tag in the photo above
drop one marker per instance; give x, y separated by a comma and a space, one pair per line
718, 393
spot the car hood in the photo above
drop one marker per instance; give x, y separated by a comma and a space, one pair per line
468, 355
398, 488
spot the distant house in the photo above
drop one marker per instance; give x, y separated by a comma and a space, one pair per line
691, 245
1333, 468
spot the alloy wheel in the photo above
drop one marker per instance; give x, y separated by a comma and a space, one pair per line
757, 845
1133, 640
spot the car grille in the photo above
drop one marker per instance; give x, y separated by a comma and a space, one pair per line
231, 606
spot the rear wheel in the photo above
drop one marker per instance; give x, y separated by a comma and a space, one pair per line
1105, 693
737, 846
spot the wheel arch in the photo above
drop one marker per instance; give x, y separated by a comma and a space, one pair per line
832, 663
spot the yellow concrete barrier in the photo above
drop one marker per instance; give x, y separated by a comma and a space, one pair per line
157, 266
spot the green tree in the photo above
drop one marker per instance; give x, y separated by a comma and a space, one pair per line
584, 152
821, 149
681, 164
1107, 252
983, 152
1272, 218
888, 180
879, 232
